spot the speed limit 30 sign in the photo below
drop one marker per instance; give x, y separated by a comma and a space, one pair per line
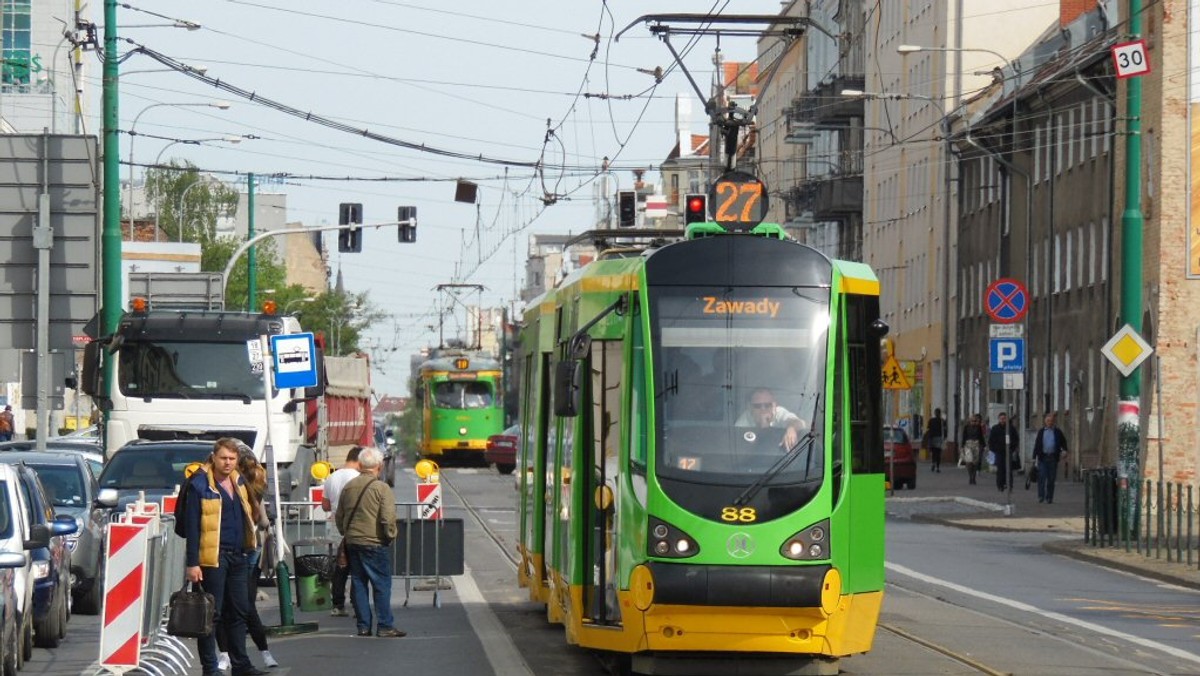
1130, 59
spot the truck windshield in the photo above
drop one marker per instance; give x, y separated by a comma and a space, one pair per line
187, 370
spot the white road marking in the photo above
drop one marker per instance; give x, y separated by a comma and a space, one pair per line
1025, 607
501, 653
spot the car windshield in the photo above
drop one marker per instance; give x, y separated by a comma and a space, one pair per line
185, 370
63, 484
894, 435
158, 468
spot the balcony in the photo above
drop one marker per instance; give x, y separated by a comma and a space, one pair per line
830, 197
825, 105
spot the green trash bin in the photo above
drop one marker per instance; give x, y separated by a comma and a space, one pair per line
312, 582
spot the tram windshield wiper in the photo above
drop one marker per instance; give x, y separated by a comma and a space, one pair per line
802, 444
805, 442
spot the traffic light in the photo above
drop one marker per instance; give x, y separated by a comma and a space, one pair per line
626, 208
350, 239
695, 208
407, 216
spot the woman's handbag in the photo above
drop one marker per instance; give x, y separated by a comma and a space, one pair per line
191, 614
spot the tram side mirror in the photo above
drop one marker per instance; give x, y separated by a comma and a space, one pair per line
879, 328
90, 375
568, 388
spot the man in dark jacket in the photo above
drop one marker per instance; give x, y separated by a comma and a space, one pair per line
1049, 446
1002, 442
220, 533
366, 518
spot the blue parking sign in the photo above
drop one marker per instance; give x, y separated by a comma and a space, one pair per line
1006, 355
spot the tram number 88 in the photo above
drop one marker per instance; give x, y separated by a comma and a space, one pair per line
739, 514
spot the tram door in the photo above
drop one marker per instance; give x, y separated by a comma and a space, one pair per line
600, 590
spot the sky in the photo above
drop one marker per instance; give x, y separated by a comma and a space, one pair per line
498, 86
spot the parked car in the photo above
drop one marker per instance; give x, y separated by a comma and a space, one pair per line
501, 450
90, 449
10, 621
18, 535
899, 461
154, 469
51, 565
71, 489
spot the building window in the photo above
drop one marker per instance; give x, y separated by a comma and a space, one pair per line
1104, 249
1070, 138
1037, 154
1057, 273
18, 57
1055, 382
1059, 139
1067, 381
1067, 266
1033, 269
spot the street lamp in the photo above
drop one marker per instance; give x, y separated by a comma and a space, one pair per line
1012, 67
287, 306
946, 183
233, 140
222, 105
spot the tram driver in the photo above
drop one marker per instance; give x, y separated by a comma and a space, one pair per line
763, 411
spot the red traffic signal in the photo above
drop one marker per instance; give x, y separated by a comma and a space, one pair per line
695, 208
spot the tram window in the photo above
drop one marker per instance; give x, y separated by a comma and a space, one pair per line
473, 394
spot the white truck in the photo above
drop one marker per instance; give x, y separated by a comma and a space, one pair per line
180, 373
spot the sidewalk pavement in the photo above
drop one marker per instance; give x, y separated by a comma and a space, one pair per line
947, 498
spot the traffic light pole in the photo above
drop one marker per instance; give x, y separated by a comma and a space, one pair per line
249, 243
1129, 406
110, 236
251, 259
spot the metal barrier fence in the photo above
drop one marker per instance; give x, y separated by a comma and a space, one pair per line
1161, 525
306, 525
163, 566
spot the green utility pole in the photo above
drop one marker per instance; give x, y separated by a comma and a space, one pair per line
110, 238
251, 259
1129, 406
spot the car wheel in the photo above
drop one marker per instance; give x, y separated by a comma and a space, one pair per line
912, 484
64, 616
45, 632
390, 471
88, 602
9, 665
505, 468
26, 639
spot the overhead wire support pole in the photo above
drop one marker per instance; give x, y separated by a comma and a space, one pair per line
1129, 406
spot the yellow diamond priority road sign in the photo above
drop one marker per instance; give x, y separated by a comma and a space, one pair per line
1127, 350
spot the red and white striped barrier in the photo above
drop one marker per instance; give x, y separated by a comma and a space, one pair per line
124, 585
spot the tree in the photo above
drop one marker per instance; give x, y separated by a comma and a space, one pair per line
189, 203
342, 317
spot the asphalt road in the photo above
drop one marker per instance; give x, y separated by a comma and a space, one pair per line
959, 601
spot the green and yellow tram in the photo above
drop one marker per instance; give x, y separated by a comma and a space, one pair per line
660, 517
461, 406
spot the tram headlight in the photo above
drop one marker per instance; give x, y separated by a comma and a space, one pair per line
809, 544
462, 431
670, 542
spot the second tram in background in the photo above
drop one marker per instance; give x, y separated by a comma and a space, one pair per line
461, 405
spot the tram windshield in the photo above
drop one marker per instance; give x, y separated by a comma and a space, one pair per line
739, 375
462, 394
189, 370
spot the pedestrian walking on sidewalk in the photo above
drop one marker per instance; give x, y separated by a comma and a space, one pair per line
973, 439
366, 517
935, 438
1002, 444
1049, 446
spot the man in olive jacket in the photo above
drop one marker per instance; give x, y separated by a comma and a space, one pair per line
366, 518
